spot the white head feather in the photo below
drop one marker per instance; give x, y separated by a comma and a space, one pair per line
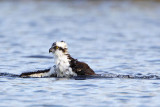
61, 44
62, 62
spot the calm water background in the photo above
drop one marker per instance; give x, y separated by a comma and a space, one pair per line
112, 37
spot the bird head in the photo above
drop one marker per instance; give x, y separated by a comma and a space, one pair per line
58, 47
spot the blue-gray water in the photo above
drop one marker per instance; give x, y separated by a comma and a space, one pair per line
112, 37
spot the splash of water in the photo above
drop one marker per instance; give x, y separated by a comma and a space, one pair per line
101, 76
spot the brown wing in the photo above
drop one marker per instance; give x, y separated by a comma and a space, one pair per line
28, 74
82, 68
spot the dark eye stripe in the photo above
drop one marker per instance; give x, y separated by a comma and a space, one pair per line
54, 47
63, 50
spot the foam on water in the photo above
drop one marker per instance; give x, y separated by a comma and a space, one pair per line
98, 76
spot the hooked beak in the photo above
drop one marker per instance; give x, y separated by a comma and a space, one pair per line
50, 50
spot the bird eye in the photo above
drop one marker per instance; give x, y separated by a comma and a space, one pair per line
57, 47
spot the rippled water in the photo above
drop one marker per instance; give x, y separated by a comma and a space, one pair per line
122, 38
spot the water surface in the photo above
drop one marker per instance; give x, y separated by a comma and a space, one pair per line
119, 37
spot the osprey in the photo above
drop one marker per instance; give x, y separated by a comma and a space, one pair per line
65, 65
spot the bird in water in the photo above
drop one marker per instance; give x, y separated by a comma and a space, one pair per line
65, 65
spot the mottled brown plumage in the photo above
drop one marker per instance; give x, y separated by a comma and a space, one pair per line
65, 65
28, 74
80, 68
